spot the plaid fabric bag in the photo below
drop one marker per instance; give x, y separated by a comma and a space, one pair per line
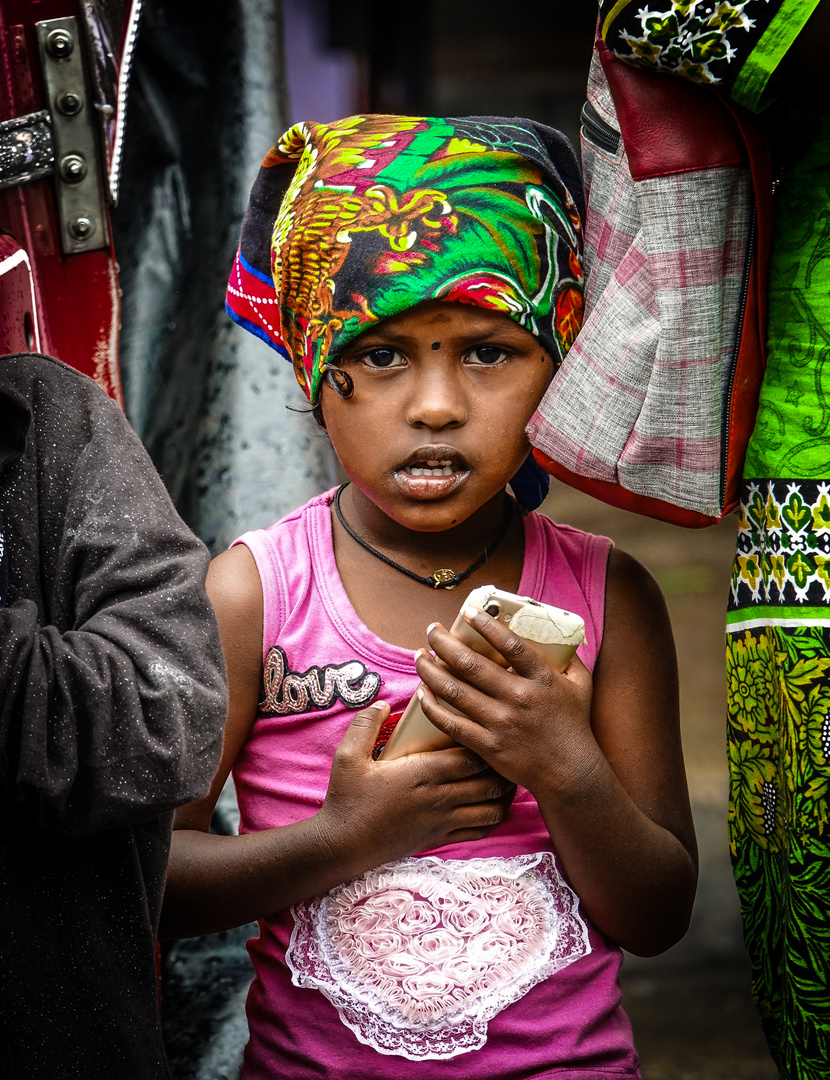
654, 404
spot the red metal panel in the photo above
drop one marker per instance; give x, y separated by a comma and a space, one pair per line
76, 296
19, 329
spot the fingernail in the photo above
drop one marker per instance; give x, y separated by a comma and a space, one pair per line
470, 612
431, 627
419, 693
419, 653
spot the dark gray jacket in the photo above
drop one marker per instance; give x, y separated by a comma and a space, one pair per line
112, 702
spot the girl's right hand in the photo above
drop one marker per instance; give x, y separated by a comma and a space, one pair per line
374, 811
377, 811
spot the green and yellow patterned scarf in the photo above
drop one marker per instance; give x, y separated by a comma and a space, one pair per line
355, 221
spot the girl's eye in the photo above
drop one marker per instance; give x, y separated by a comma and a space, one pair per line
383, 358
486, 354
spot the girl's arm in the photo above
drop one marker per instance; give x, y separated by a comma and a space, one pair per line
374, 811
604, 761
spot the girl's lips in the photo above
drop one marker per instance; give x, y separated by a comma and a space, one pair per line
431, 472
429, 486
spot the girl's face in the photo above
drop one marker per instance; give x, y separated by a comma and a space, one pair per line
436, 425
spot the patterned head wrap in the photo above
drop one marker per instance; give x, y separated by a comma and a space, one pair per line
352, 222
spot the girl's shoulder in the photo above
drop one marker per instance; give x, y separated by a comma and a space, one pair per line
551, 544
567, 536
288, 556
290, 524
567, 567
293, 538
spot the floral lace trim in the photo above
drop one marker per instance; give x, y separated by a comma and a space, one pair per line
418, 955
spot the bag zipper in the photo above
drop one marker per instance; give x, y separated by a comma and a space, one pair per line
598, 131
727, 407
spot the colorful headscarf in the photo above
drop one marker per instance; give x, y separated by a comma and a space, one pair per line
352, 222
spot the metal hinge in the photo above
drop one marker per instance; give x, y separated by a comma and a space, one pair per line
77, 158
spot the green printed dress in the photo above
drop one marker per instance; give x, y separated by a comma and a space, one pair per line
778, 622
778, 645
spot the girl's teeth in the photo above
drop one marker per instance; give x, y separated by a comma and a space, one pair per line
438, 469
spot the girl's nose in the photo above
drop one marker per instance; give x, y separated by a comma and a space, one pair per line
436, 401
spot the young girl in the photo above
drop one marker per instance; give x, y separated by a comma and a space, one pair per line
423, 276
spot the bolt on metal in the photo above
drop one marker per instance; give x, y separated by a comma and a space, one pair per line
59, 44
82, 227
70, 103
73, 168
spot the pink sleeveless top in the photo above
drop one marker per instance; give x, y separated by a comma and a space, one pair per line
469, 960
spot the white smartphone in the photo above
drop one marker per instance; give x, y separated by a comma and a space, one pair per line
552, 632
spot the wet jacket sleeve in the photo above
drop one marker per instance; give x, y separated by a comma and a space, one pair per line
112, 707
735, 49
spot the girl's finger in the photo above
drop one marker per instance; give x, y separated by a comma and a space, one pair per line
451, 766
446, 686
481, 815
487, 787
362, 733
461, 729
473, 822
518, 653
475, 687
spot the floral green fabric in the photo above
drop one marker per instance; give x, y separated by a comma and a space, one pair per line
778, 652
778, 674
792, 432
782, 564
733, 46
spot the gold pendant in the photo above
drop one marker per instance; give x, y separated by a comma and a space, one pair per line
442, 576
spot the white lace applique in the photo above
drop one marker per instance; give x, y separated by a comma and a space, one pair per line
417, 956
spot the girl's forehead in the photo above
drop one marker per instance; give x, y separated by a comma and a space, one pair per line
435, 317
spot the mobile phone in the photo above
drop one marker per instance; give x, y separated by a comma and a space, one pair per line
552, 632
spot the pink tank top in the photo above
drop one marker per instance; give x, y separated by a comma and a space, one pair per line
469, 960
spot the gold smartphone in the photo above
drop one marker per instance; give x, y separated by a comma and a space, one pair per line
552, 632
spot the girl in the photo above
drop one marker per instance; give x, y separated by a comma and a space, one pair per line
424, 278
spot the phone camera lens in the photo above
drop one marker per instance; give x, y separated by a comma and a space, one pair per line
493, 609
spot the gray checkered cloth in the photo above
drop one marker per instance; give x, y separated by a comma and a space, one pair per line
639, 399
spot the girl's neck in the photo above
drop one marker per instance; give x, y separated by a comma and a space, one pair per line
464, 541
398, 609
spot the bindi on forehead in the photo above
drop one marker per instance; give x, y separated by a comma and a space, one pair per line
436, 345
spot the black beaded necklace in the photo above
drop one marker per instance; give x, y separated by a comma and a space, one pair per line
441, 579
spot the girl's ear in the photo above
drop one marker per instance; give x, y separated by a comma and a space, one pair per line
340, 381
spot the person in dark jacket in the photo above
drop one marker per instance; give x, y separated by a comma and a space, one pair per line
112, 702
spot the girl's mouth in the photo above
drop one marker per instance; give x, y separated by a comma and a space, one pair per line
432, 471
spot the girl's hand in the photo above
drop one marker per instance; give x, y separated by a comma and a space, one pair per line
376, 811
530, 723
601, 755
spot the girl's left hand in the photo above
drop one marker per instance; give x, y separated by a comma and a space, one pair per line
601, 754
530, 723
